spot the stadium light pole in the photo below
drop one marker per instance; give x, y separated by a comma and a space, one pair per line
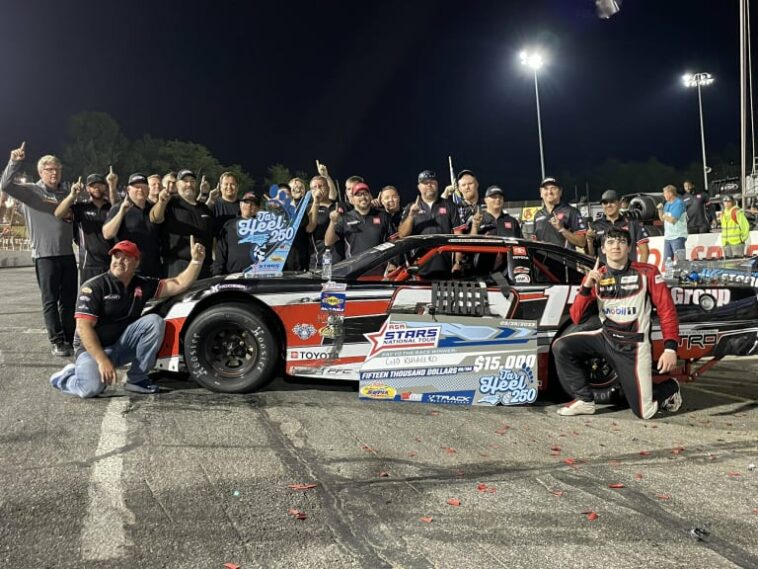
535, 61
700, 80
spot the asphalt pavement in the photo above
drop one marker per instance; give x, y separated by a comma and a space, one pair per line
193, 479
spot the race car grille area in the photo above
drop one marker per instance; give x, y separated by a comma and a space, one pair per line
459, 298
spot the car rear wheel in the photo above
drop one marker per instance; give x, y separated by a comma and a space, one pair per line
230, 348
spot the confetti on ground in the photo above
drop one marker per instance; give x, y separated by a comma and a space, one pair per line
482, 487
638, 476
384, 474
302, 487
616, 485
454, 502
558, 493
591, 516
411, 454
231, 566
644, 453
449, 450
663, 496
426, 519
367, 448
297, 514
733, 474
677, 450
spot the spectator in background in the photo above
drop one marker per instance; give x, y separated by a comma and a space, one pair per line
226, 205
735, 228
558, 222
89, 217
696, 204
389, 198
52, 244
231, 255
154, 187
431, 214
182, 217
613, 218
494, 221
362, 227
169, 182
674, 217
129, 220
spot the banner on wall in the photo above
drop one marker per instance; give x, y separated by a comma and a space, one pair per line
700, 246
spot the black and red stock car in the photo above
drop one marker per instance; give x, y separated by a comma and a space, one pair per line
233, 334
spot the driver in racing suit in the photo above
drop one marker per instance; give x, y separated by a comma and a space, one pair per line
623, 290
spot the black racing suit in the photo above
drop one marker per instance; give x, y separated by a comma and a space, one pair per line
625, 299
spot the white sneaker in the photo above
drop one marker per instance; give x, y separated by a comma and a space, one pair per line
674, 403
577, 407
60, 376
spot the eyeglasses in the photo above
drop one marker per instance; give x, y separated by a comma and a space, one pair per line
51, 169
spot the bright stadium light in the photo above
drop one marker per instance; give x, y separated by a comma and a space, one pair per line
534, 60
700, 80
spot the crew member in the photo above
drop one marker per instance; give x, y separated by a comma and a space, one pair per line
389, 198
558, 222
318, 222
181, 217
625, 293
468, 186
227, 205
232, 252
110, 329
613, 217
362, 227
297, 260
696, 204
89, 217
494, 221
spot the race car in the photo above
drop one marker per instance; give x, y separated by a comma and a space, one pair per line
233, 334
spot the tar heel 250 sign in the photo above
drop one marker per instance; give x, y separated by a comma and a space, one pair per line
271, 232
461, 362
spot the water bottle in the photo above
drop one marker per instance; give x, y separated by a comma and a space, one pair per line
326, 265
668, 270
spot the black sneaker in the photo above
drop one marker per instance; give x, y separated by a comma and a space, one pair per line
62, 350
145, 386
674, 403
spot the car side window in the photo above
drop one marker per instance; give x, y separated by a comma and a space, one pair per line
549, 267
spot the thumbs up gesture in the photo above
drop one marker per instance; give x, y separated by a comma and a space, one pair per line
19, 153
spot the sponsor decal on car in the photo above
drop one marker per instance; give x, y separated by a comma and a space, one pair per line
511, 386
333, 301
448, 398
408, 396
309, 354
692, 295
328, 331
303, 330
400, 336
519, 251
86, 290
521, 270
522, 279
378, 391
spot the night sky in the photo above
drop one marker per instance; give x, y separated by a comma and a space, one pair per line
381, 89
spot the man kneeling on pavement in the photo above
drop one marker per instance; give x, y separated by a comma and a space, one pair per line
110, 329
625, 292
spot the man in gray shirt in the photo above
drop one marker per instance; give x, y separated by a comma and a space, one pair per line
51, 241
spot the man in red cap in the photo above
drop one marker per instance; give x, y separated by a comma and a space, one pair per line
110, 329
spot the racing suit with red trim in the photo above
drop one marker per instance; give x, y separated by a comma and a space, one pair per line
625, 299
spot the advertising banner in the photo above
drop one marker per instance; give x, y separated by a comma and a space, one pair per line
699, 247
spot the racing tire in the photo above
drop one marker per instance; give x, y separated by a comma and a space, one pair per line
602, 378
230, 348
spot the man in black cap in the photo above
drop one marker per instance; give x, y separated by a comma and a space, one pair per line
233, 254
362, 227
613, 218
89, 217
494, 221
182, 216
129, 220
558, 222
431, 214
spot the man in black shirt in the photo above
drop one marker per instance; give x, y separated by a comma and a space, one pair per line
697, 209
494, 221
468, 185
232, 256
129, 220
297, 260
558, 222
182, 216
389, 197
318, 221
89, 217
613, 218
362, 227
224, 202
431, 214
110, 329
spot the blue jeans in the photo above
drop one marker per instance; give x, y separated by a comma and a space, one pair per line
671, 245
138, 345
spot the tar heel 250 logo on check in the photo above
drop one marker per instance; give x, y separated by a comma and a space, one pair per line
515, 383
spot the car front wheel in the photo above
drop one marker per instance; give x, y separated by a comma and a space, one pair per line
230, 348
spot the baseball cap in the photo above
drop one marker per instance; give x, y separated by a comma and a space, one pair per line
126, 247
361, 187
184, 173
250, 197
137, 178
464, 173
425, 175
549, 182
95, 179
727, 198
493, 191
609, 196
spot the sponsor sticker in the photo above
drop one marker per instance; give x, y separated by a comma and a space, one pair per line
607, 281
333, 301
86, 290
378, 391
409, 396
519, 251
303, 330
630, 279
523, 279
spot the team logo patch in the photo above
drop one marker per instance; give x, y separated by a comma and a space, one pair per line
303, 330
608, 281
508, 225
377, 221
138, 292
519, 250
443, 210
630, 279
